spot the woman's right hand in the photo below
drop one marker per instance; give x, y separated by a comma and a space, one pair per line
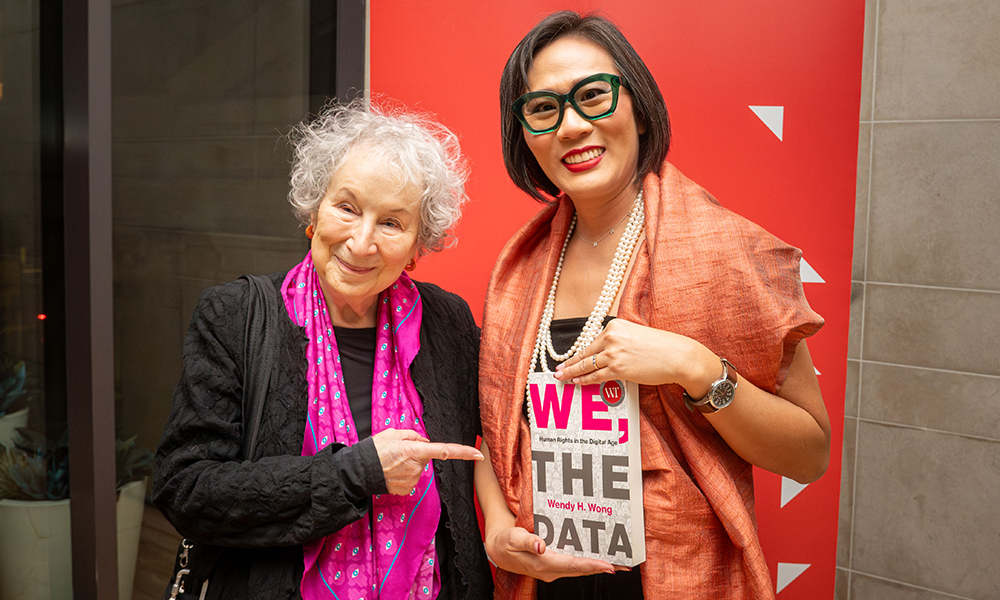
516, 550
404, 453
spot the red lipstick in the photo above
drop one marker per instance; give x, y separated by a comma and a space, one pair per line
583, 159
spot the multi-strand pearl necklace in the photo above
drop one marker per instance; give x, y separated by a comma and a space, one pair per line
616, 274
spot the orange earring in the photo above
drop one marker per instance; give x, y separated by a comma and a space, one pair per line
411, 265
309, 232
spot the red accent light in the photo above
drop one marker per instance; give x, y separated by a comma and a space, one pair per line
41, 317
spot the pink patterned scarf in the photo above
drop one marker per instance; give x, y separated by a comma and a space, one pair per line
390, 555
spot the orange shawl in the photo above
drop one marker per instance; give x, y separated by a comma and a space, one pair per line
703, 272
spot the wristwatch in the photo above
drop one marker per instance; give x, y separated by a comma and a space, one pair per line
720, 396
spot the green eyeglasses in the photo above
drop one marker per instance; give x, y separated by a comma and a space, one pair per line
593, 98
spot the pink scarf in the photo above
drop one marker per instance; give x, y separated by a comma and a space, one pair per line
392, 554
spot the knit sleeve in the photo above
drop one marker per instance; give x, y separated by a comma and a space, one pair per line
201, 483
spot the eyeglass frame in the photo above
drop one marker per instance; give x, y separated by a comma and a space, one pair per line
615, 81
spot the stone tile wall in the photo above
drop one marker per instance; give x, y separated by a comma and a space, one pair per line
919, 519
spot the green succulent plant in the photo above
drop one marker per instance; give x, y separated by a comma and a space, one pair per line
133, 462
37, 468
15, 386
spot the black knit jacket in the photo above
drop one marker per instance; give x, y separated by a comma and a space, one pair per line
249, 518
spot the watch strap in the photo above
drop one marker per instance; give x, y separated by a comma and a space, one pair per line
704, 405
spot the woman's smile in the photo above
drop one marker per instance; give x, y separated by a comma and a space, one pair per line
351, 268
583, 159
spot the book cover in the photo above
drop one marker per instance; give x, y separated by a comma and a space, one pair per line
587, 468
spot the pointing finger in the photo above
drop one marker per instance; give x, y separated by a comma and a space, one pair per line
442, 451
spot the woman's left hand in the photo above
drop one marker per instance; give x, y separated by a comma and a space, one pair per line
647, 356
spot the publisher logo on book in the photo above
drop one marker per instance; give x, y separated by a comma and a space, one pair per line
612, 392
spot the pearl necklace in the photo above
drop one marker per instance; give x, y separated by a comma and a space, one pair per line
616, 274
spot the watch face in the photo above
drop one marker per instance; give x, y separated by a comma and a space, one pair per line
722, 394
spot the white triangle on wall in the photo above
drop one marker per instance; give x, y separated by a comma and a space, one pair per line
772, 116
787, 573
790, 489
809, 274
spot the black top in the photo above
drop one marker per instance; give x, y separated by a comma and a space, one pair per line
249, 518
564, 332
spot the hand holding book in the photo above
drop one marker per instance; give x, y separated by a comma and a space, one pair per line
647, 356
516, 550
787, 432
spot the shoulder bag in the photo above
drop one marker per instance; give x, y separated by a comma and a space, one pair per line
258, 362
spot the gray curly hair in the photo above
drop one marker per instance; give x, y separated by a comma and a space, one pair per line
422, 151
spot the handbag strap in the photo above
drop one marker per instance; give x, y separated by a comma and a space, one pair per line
258, 362
258, 356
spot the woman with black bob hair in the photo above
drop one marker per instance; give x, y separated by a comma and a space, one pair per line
647, 101
633, 272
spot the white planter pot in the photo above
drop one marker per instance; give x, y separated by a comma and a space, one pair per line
10, 422
35, 558
131, 504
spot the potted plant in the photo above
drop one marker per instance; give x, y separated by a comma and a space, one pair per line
35, 559
15, 393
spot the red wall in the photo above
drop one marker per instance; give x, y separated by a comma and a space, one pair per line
713, 60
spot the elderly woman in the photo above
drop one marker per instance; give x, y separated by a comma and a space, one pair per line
633, 272
348, 494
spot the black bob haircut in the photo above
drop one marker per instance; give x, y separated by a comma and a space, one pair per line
647, 101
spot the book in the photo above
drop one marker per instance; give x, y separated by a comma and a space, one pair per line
587, 468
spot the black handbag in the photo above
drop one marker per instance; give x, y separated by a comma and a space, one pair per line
258, 362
